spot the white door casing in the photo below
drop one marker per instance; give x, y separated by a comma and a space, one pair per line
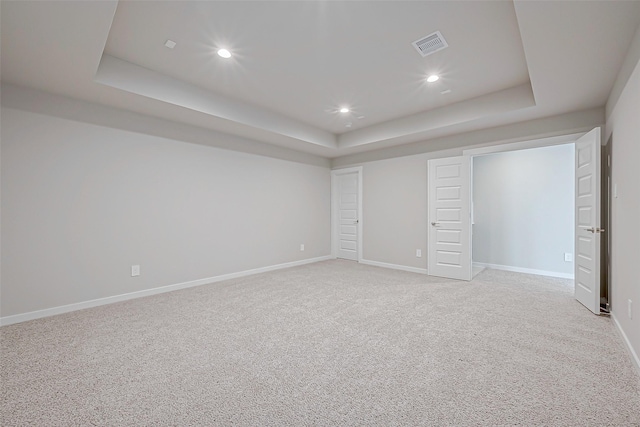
449, 220
346, 236
588, 231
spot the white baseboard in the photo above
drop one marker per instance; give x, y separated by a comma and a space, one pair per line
17, 318
394, 266
524, 270
625, 339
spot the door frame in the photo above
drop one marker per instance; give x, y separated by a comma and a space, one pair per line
534, 143
493, 149
527, 144
334, 209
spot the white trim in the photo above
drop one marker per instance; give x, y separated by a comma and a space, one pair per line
525, 270
394, 266
634, 355
334, 212
524, 145
17, 318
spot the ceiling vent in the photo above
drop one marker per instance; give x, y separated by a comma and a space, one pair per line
430, 44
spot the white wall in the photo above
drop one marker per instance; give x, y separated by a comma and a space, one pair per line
524, 208
623, 127
81, 203
394, 211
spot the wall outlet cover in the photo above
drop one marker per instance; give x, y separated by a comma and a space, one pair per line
418, 253
135, 270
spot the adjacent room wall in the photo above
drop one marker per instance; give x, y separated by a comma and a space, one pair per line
524, 209
82, 203
623, 127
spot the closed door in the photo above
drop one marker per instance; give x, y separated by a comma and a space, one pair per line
347, 214
588, 231
449, 222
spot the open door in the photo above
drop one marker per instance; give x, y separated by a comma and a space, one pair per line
588, 231
449, 246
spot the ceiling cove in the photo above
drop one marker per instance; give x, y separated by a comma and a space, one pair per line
279, 72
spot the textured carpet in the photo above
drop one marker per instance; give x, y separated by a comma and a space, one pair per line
329, 344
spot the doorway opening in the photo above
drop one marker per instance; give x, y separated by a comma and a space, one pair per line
523, 215
451, 213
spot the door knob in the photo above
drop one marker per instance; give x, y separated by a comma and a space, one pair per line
435, 224
595, 230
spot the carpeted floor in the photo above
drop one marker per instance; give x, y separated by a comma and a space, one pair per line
334, 343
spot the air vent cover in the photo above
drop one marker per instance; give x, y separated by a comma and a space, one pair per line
430, 44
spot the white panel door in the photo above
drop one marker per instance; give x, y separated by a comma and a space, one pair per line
588, 231
348, 215
449, 248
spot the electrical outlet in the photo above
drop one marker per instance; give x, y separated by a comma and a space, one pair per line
302, 247
418, 253
630, 309
135, 270
568, 257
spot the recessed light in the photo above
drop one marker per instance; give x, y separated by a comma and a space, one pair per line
170, 44
344, 110
224, 53
433, 78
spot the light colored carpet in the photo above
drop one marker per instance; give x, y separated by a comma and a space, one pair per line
329, 344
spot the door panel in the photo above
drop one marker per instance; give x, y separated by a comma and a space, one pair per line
449, 221
448, 193
588, 231
449, 236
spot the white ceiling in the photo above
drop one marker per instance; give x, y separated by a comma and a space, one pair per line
296, 63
